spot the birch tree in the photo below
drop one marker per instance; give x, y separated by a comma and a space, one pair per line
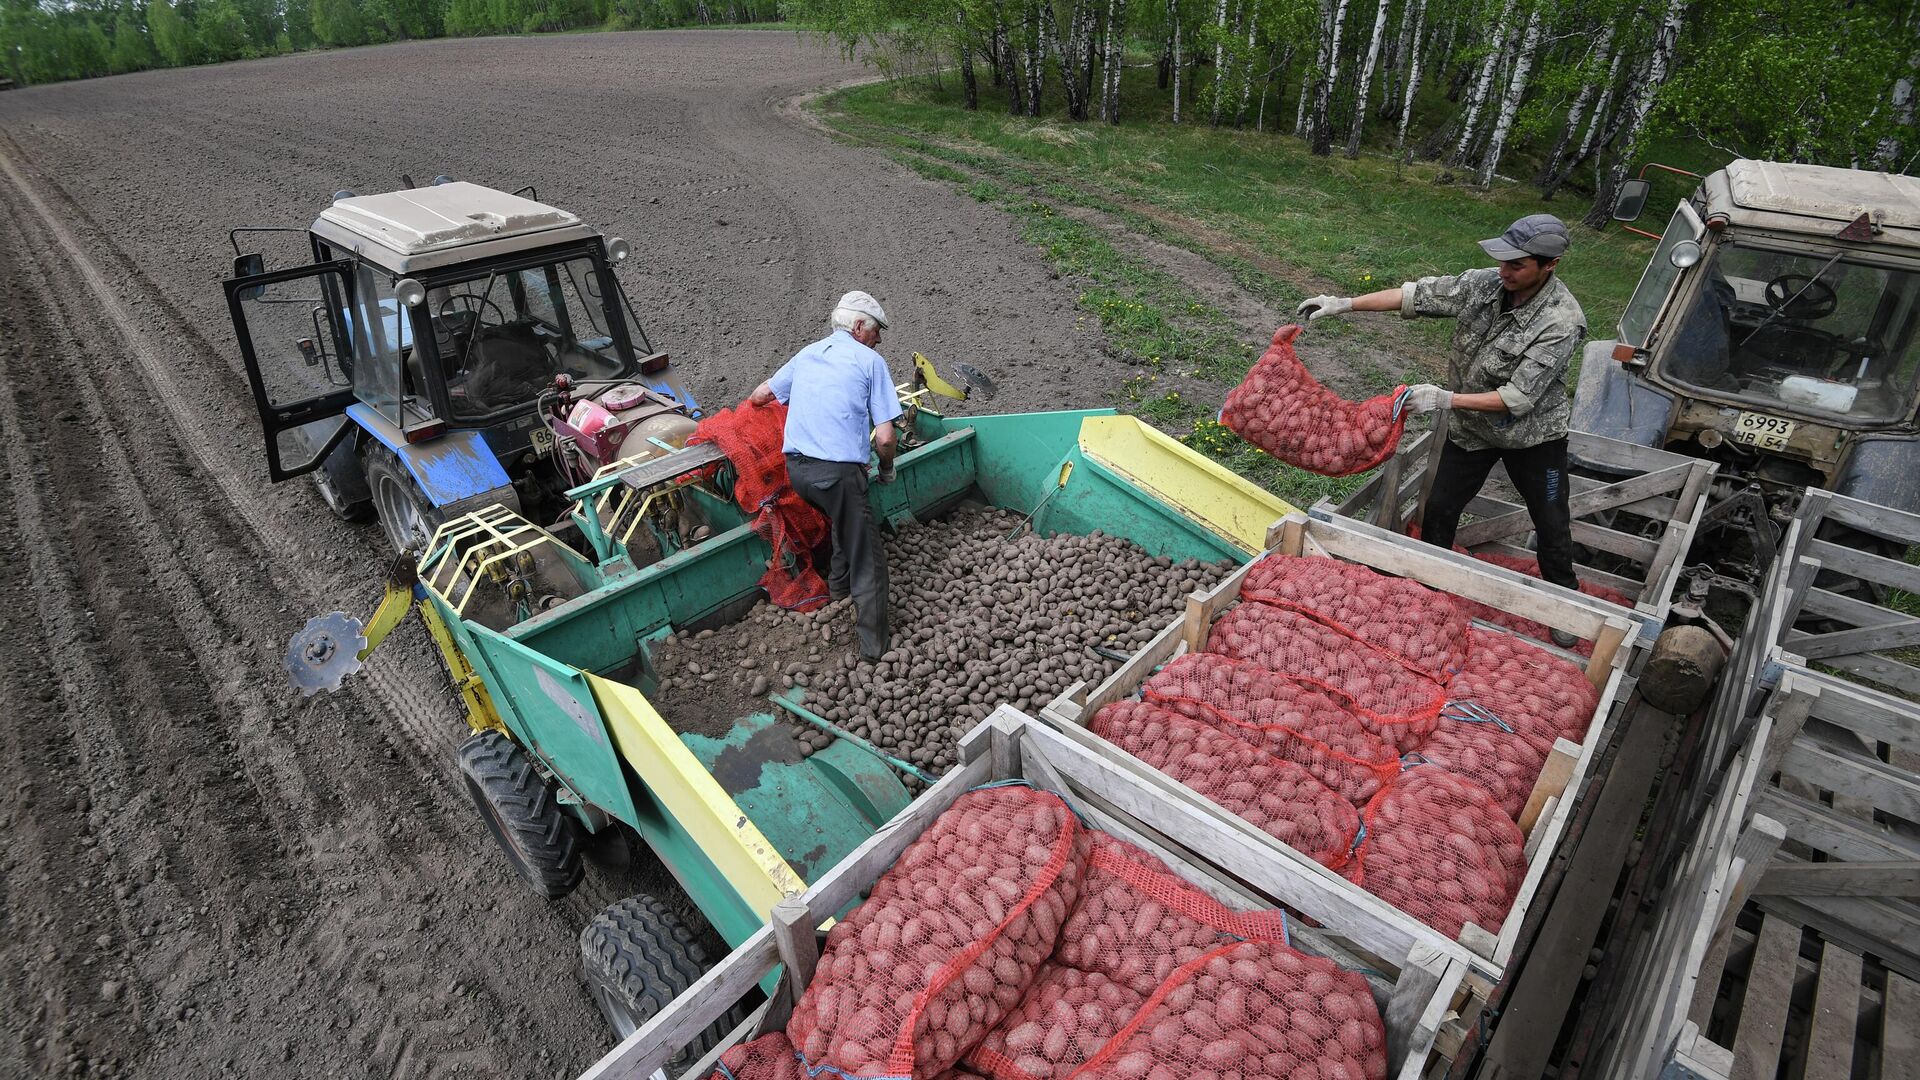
1320, 123
1413, 79
1219, 57
1114, 53
1510, 102
1366, 79
1173, 17
1666, 39
1576, 111
1483, 84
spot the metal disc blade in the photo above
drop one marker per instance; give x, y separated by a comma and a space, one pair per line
324, 652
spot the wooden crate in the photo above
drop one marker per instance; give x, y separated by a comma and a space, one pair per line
1640, 521
1419, 990
1702, 848
1847, 632
1547, 811
1794, 1003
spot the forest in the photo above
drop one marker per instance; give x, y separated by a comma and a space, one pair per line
1468, 83
1462, 82
51, 42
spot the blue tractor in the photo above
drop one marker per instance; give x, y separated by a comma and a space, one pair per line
450, 348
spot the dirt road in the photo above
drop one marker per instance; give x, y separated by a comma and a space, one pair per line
201, 874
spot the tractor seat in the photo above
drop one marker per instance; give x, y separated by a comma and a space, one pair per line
507, 366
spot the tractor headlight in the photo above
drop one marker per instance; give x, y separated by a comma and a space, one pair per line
618, 249
410, 292
1684, 254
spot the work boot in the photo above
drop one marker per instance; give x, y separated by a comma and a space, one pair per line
1564, 639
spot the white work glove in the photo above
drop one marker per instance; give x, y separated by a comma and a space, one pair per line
1315, 307
885, 474
1426, 398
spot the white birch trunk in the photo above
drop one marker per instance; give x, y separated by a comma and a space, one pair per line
1577, 111
1366, 79
1323, 55
1323, 96
1414, 59
1246, 79
1510, 103
1173, 16
1597, 123
1393, 62
1219, 57
1483, 84
1115, 60
1300, 113
1659, 65
1886, 156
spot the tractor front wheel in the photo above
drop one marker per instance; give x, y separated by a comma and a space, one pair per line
637, 956
407, 516
523, 813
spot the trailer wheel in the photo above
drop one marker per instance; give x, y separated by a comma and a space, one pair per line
637, 956
407, 516
523, 813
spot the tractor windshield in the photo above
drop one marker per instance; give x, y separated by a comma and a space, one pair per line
503, 336
1808, 330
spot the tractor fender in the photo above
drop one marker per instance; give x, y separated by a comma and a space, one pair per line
345, 473
1611, 402
454, 468
1883, 469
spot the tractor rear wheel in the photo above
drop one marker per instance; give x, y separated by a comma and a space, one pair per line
637, 956
407, 516
523, 813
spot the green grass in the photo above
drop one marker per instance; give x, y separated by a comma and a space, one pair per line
1169, 332
1353, 226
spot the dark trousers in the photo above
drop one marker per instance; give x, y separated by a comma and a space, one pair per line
838, 489
1540, 474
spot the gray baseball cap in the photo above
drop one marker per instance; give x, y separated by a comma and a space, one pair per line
1536, 234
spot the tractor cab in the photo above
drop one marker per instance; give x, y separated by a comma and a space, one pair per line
449, 348
1776, 330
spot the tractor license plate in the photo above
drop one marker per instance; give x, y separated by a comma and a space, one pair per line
542, 439
1763, 431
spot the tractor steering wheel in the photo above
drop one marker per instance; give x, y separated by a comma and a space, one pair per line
472, 304
1800, 297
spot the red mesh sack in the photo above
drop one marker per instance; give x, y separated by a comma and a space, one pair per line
1422, 626
1276, 796
769, 1057
1390, 699
1155, 979
751, 436
1290, 719
1528, 689
1439, 848
1488, 752
1280, 408
948, 940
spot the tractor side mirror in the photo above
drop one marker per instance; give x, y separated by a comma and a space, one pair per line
247, 266
1631, 199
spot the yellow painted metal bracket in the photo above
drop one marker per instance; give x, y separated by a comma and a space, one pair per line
690, 795
393, 608
481, 715
1202, 489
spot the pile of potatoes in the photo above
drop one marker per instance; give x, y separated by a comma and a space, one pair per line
979, 620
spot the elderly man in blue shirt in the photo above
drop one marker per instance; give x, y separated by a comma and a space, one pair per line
841, 404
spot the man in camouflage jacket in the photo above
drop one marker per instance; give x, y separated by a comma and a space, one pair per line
1517, 331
